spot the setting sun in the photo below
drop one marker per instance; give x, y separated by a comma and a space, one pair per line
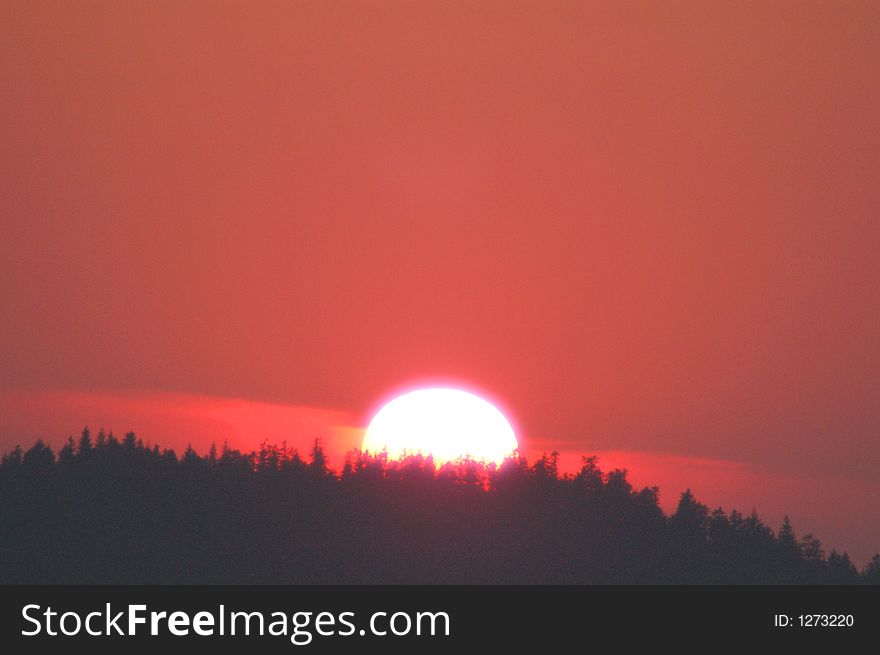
445, 423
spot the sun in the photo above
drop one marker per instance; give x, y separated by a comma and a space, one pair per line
443, 422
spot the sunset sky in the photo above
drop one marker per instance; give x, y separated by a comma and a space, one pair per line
649, 230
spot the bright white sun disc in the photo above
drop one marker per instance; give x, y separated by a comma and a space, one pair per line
445, 423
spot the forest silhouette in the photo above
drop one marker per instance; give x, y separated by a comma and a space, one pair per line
108, 511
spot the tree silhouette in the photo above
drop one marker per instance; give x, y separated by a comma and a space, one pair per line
113, 511
85, 442
871, 573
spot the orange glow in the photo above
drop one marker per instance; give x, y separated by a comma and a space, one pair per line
173, 420
650, 228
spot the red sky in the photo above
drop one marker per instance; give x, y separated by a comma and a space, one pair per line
646, 228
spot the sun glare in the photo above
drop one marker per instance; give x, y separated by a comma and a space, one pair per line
445, 423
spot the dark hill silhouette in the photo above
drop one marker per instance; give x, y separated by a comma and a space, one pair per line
110, 511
